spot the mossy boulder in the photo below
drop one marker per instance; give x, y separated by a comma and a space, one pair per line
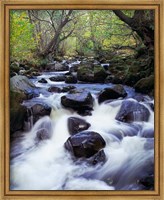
17, 111
145, 85
99, 74
22, 84
85, 73
90, 73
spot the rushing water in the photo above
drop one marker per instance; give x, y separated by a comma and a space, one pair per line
47, 165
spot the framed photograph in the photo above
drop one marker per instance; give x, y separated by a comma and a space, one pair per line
82, 100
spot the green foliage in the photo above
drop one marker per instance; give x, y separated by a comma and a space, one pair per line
99, 31
90, 32
22, 43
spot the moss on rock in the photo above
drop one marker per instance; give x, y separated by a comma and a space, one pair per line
145, 85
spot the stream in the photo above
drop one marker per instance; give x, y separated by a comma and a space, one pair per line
48, 165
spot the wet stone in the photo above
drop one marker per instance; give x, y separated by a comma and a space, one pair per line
76, 125
131, 111
85, 144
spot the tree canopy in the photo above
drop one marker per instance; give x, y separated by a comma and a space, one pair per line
47, 33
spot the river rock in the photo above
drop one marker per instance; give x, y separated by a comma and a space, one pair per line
113, 92
131, 111
115, 79
85, 73
85, 144
22, 72
68, 88
91, 73
57, 67
35, 73
18, 112
76, 125
78, 100
22, 84
42, 80
14, 68
54, 89
145, 85
99, 74
17, 117
58, 78
40, 110
70, 79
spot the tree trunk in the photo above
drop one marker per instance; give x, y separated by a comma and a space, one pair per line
141, 23
54, 43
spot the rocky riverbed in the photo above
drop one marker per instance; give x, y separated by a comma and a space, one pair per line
74, 127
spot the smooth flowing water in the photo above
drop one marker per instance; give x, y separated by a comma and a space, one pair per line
47, 165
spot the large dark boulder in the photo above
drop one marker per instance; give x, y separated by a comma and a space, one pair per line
131, 111
58, 78
76, 125
99, 74
85, 144
21, 84
113, 92
145, 85
17, 117
91, 73
85, 73
78, 100
70, 79
17, 111
21, 88
40, 110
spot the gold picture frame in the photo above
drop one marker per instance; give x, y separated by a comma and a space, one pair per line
5, 6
